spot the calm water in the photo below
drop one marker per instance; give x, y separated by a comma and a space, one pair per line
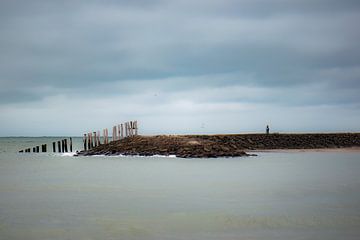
272, 196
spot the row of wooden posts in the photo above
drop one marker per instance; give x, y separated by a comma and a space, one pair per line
62, 146
120, 131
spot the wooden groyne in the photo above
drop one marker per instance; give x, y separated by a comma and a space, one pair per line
208, 146
93, 139
63, 146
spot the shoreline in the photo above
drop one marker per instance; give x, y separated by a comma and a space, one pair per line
345, 149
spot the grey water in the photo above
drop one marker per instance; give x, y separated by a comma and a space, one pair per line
303, 195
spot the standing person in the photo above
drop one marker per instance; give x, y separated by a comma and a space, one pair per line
267, 129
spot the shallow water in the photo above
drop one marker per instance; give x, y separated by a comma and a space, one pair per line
311, 195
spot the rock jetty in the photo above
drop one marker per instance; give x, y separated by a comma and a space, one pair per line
232, 145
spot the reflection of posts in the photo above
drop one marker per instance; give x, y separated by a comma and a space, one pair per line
267, 129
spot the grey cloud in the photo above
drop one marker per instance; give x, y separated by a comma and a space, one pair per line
294, 53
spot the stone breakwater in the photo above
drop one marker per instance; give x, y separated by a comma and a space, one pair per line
234, 145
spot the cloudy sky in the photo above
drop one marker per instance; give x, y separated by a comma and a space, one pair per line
189, 66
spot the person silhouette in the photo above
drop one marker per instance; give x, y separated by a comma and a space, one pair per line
267, 129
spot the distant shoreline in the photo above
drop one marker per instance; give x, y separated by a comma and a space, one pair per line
341, 149
226, 145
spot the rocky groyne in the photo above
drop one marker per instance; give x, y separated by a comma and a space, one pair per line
232, 145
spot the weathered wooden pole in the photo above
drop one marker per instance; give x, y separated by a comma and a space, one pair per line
114, 136
70, 144
37, 149
66, 145
43, 148
54, 146
136, 128
115, 133
59, 146
95, 139
104, 133
62, 146
89, 141
121, 130
107, 135
131, 128
21, 151
126, 129
84, 141
118, 132
34, 149
98, 138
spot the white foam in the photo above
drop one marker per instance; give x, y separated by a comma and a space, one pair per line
68, 154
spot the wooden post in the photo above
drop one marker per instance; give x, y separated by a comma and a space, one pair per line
92, 140
21, 151
136, 128
89, 141
95, 139
84, 141
43, 148
132, 128
107, 135
34, 149
70, 144
126, 129
27, 150
65, 144
98, 138
59, 146
114, 133
103, 136
54, 146
113, 137
121, 130
118, 132
37, 149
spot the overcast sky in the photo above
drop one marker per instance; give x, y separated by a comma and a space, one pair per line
189, 66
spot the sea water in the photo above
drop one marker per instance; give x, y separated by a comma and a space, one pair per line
303, 195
